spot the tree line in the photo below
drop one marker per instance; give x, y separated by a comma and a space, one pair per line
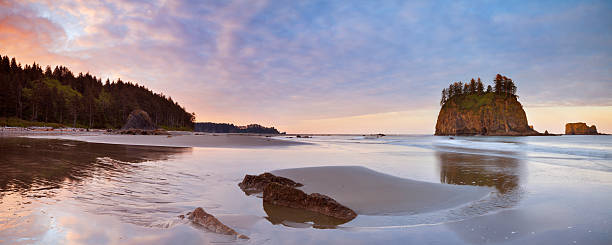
58, 96
501, 85
210, 127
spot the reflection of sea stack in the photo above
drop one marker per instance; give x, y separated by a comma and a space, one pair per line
469, 110
139, 119
580, 128
466, 169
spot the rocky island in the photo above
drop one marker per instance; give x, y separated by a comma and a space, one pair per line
468, 109
580, 128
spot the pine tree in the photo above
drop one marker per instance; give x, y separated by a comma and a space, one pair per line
479, 86
473, 86
499, 87
511, 87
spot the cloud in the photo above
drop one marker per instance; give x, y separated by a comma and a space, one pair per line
286, 62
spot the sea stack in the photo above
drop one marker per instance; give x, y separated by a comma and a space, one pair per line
139, 119
580, 128
468, 110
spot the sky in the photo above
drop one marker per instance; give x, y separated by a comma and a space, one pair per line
329, 66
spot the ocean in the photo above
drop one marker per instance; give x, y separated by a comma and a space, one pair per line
539, 190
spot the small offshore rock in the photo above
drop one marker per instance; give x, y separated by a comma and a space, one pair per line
580, 128
256, 183
288, 196
208, 221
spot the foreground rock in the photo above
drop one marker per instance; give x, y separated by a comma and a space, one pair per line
486, 114
278, 194
201, 217
256, 183
580, 128
139, 119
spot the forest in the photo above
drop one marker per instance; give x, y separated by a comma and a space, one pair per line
57, 96
210, 127
502, 85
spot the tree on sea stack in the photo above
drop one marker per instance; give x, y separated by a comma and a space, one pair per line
139, 119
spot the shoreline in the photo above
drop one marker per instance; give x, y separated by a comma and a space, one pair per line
175, 139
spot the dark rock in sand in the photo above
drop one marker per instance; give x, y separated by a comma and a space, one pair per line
256, 183
278, 194
201, 217
143, 132
139, 119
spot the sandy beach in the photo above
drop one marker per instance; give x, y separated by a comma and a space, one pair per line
379, 193
175, 139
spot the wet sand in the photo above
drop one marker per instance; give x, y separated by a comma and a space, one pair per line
75, 192
204, 140
373, 193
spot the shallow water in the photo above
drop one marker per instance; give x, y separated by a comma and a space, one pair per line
545, 190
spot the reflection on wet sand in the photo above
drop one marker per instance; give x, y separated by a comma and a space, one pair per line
502, 173
33, 166
299, 218
40, 178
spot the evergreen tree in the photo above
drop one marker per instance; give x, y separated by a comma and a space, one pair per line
479, 86
499, 87
472, 86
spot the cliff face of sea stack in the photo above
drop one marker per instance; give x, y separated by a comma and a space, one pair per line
483, 114
580, 128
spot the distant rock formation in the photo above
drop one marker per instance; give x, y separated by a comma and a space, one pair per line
483, 114
580, 128
201, 217
139, 119
210, 127
278, 194
256, 183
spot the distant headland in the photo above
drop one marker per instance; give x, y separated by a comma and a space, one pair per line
210, 127
469, 109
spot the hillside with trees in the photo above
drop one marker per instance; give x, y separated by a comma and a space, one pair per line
56, 95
